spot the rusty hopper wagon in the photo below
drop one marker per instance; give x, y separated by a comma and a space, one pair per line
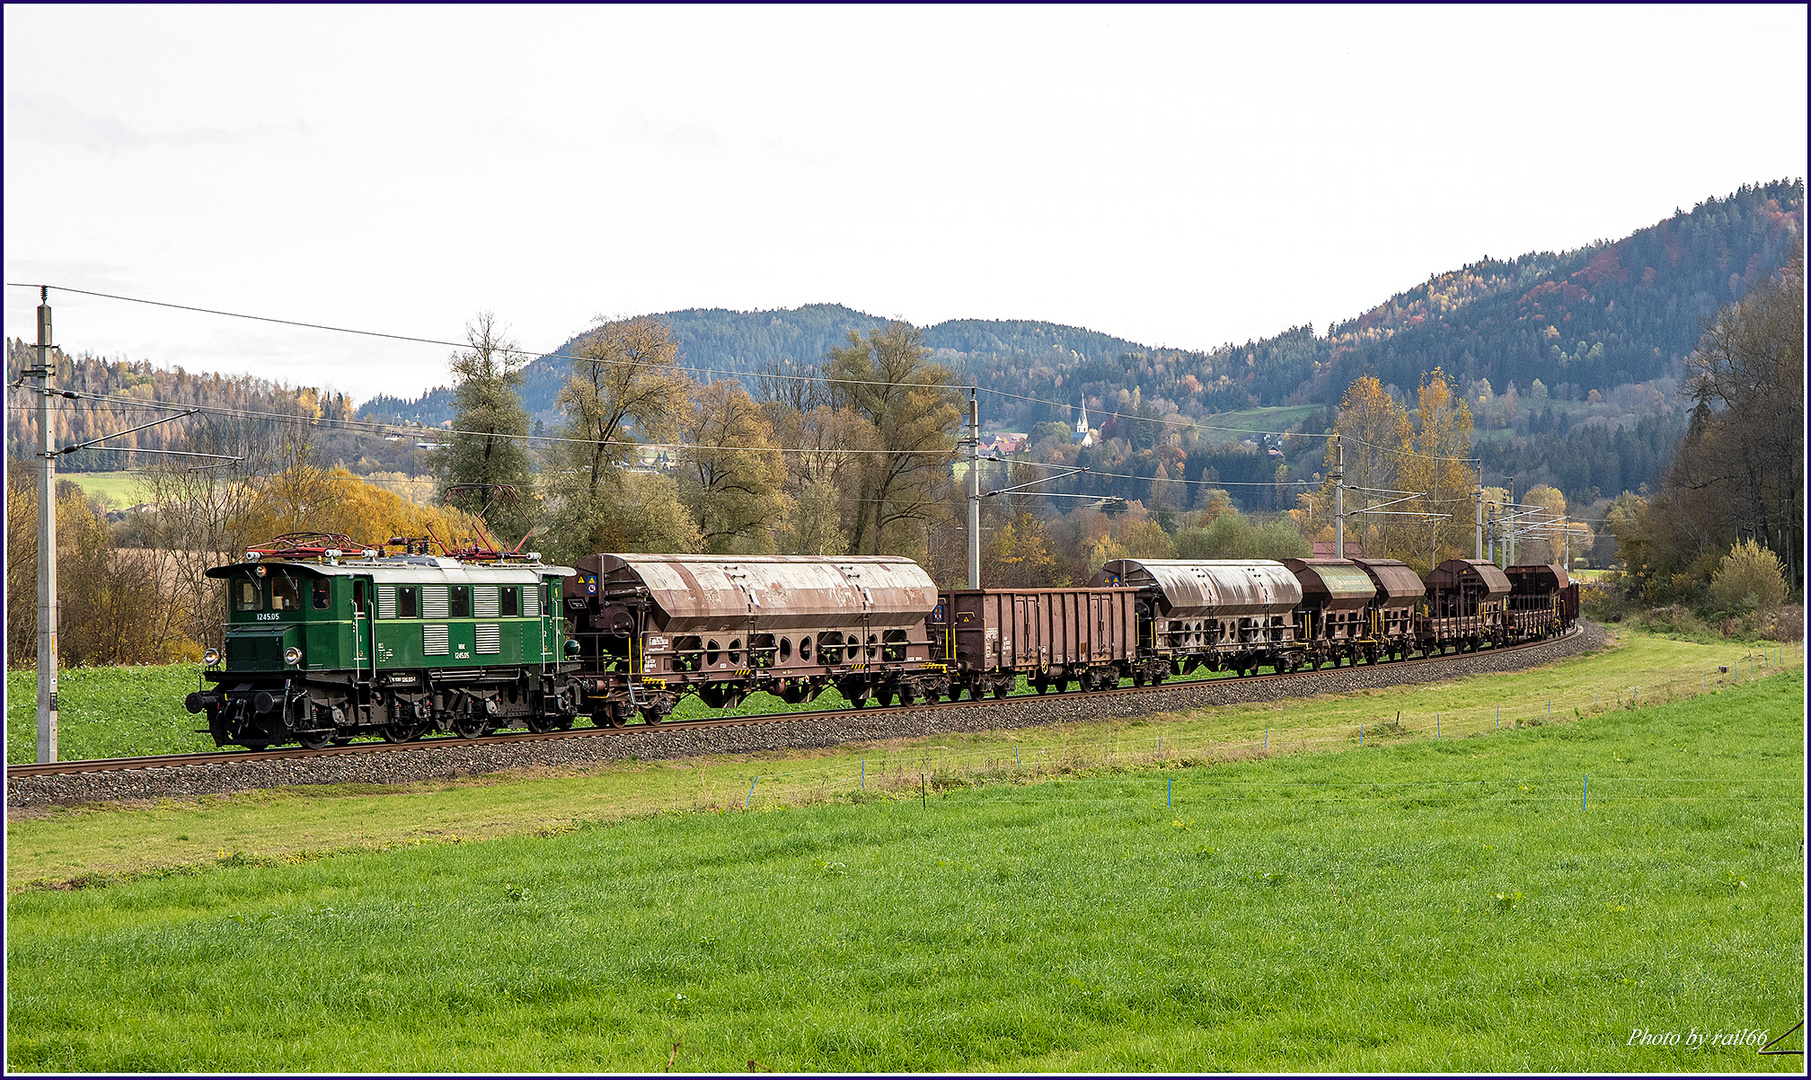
1542, 599
1399, 593
1337, 620
653, 628
1217, 614
1466, 599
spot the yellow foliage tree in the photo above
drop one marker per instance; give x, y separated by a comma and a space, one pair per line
306, 498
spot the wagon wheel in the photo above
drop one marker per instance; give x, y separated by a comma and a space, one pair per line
1002, 688
652, 715
402, 731
314, 740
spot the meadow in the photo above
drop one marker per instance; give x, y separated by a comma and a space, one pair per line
1526, 896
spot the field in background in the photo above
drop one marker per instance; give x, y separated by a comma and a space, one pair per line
1457, 904
115, 490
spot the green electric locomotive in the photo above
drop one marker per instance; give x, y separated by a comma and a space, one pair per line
327, 641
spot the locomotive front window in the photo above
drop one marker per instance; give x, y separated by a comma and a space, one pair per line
322, 592
285, 593
408, 602
247, 596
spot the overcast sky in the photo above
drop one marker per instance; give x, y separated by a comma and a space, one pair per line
1173, 175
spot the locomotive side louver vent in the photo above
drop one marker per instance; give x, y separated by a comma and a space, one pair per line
434, 638
484, 603
386, 601
531, 600
490, 637
433, 603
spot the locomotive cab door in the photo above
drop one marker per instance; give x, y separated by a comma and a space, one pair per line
363, 655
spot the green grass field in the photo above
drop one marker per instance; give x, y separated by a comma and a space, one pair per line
115, 490
1230, 425
1423, 904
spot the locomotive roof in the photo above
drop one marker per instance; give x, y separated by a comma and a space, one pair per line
406, 569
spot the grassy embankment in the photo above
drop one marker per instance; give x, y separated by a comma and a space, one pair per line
1416, 904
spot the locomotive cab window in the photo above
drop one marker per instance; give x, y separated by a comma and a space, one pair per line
321, 591
247, 596
509, 605
459, 602
408, 602
285, 593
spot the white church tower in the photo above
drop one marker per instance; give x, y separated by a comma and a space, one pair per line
1083, 437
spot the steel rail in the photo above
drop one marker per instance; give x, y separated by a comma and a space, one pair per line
229, 757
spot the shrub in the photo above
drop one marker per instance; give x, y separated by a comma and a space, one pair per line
1747, 579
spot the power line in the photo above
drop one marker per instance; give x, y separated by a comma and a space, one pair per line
820, 378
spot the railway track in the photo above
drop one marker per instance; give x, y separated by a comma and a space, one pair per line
857, 720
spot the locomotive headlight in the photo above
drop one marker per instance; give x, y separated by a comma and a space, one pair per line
211, 657
292, 656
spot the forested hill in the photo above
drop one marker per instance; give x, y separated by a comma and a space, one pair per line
1605, 315
718, 343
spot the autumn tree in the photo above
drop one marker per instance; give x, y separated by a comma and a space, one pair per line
487, 445
307, 498
1374, 435
731, 471
204, 510
1745, 449
889, 380
1438, 466
114, 608
626, 389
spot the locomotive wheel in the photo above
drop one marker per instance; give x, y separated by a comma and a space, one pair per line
314, 740
470, 727
401, 731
